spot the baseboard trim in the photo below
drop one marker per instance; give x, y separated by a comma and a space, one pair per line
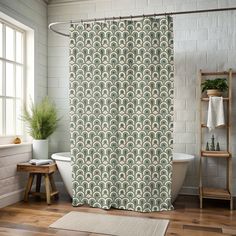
11, 198
184, 190
189, 191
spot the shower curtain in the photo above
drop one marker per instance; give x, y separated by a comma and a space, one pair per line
121, 94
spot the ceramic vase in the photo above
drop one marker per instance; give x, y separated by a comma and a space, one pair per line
40, 149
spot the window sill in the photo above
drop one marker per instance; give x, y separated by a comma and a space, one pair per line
11, 145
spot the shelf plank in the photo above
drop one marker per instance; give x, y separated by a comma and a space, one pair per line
207, 99
221, 126
215, 73
215, 154
216, 193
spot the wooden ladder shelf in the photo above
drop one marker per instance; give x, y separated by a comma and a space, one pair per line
208, 192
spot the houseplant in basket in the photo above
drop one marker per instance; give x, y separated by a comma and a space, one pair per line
41, 120
215, 87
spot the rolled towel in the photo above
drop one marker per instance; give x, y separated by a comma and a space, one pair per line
39, 162
215, 112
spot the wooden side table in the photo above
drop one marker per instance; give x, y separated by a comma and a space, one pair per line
47, 172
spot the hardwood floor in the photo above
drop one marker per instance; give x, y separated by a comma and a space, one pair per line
33, 218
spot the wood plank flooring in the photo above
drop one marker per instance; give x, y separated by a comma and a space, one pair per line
34, 217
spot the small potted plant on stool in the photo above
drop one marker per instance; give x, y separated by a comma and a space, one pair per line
41, 120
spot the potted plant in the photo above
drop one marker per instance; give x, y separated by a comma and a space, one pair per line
215, 87
41, 120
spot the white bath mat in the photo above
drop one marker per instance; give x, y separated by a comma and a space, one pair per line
111, 225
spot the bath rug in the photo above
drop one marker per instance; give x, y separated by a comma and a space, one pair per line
111, 225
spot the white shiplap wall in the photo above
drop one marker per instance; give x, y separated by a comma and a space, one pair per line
12, 183
32, 13
201, 41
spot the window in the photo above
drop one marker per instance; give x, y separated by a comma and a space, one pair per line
12, 84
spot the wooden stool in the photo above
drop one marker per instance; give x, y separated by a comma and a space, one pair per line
44, 170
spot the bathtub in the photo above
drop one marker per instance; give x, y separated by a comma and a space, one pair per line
180, 165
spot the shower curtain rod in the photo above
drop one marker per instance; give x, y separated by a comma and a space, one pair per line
50, 26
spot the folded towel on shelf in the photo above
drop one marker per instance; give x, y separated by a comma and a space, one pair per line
39, 162
215, 112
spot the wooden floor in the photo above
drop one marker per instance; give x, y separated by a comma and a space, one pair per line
33, 218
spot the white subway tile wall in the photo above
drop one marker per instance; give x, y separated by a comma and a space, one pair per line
201, 41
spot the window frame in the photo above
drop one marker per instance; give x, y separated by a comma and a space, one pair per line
22, 64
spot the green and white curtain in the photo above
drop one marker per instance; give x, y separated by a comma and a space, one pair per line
121, 113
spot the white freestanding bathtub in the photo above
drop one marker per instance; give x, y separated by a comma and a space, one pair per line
180, 164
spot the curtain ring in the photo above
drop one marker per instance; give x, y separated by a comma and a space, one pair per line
105, 19
143, 16
131, 17
120, 17
81, 21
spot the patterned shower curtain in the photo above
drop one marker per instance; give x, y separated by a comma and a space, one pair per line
121, 113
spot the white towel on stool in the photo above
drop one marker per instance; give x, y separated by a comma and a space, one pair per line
215, 112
